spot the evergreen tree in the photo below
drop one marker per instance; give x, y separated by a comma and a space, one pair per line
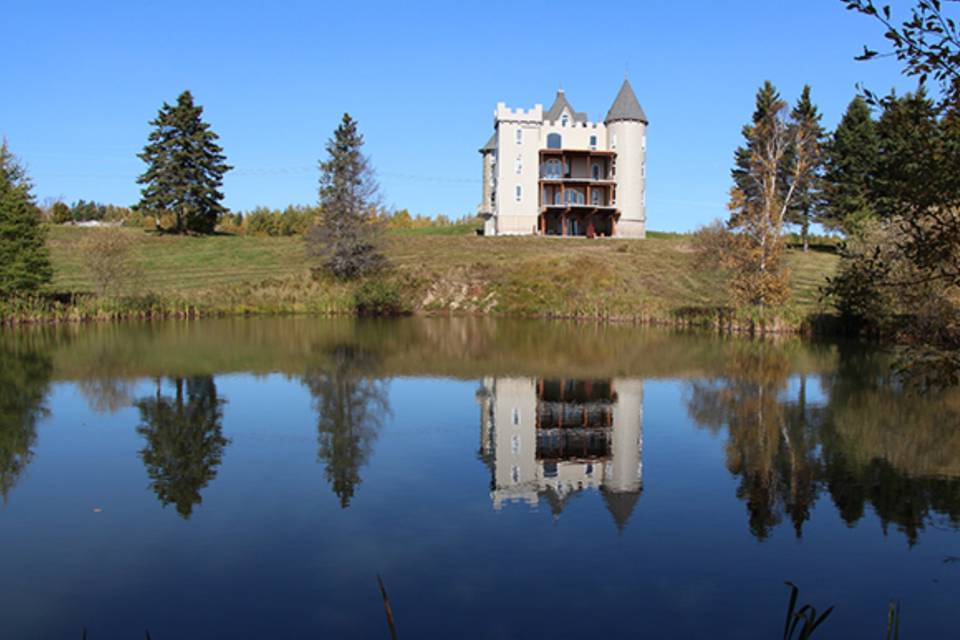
910, 160
850, 162
186, 168
344, 240
767, 102
806, 197
24, 258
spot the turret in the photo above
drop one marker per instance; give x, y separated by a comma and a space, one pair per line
627, 135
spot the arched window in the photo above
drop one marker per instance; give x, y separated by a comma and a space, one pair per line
563, 120
554, 141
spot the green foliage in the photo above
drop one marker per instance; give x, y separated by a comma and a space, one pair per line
24, 257
185, 169
263, 221
60, 213
851, 159
379, 297
345, 238
805, 200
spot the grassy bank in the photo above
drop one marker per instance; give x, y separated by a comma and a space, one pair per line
652, 280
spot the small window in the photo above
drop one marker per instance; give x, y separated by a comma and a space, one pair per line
595, 198
516, 412
515, 473
613, 196
564, 120
519, 164
596, 171
554, 141
519, 136
515, 444
593, 142
613, 167
519, 193
613, 141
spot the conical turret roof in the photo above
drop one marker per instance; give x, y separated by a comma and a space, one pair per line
626, 106
491, 143
620, 505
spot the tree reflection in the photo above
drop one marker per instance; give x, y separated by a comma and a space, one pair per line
872, 442
351, 407
24, 381
184, 440
769, 446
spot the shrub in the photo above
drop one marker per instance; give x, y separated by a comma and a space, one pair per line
107, 256
378, 297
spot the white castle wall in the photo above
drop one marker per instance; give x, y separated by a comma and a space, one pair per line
631, 179
515, 217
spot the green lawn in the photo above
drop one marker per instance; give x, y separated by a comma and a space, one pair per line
452, 269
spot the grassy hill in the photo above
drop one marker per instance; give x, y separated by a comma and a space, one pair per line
437, 272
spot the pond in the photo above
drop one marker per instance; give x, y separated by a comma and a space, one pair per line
251, 478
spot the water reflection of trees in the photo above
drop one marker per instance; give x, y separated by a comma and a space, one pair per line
24, 381
872, 442
184, 437
351, 407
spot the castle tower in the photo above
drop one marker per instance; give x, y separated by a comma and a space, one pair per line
627, 135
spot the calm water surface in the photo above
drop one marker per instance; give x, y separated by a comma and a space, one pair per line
250, 479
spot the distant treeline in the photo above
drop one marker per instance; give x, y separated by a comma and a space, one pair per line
292, 220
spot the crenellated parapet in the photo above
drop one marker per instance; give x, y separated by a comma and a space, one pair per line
506, 114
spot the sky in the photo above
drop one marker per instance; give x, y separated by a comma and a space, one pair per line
82, 80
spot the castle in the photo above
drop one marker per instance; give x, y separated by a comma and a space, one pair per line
554, 439
556, 173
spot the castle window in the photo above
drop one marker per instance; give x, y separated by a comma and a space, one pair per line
613, 141
593, 142
519, 136
519, 164
596, 171
563, 120
554, 141
595, 198
519, 193
552, 169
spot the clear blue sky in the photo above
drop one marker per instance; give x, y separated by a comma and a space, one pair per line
82, 80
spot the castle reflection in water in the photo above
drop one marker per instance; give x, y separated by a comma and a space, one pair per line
551, 439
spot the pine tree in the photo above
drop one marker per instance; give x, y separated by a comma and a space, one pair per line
851, 158
767, 102
344, 240
24, 258
808, 132
910, 159
186, 168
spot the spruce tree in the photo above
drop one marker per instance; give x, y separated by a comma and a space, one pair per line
24, 258
767, 102
344, 239
186, 168
808, 132
850, 162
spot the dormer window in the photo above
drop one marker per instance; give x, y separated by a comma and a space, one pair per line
564, 119
593, 142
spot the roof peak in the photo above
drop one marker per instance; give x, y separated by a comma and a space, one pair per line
626, 106
559, 105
